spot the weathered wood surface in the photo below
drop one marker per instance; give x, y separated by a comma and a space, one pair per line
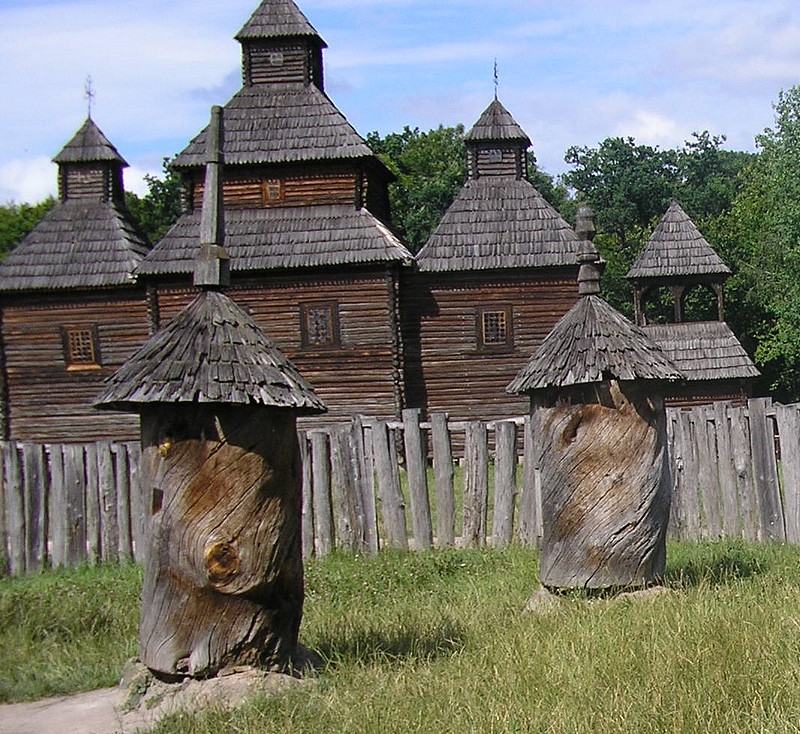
417, 472
223, 575
377, 478
605, 491
476, 484
505, 483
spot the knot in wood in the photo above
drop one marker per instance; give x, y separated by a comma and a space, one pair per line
222, 563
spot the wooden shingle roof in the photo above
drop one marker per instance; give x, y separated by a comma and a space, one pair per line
499, 222
706, 350
89, 145
77, 244
290, 237
592, 343
212, 352
276, 19
280, 124
496, 124
677, 249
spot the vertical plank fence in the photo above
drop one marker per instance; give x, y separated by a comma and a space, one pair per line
410, 484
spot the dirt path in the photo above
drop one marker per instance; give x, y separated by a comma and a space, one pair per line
106, 711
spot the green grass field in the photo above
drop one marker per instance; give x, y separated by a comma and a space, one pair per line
438, 642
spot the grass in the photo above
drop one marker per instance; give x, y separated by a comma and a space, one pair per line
438, 642
67, 631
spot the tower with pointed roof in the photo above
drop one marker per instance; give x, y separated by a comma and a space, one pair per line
72, 309
679, 260
495, 275
306, 222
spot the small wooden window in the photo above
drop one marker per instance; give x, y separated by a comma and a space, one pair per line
495, 155
80, 348
494, 328
319, 325
273, 190
276, 58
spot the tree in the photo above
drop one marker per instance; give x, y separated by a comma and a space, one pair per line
160, 207
16, 220
431, 168
764, 239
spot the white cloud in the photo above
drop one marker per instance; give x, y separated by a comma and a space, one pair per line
651, 128
27, 180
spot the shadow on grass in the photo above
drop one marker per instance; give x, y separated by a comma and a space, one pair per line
716, 564
375, 645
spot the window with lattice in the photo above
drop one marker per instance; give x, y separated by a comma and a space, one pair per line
273, 190
319, 324
494, 328
80, 348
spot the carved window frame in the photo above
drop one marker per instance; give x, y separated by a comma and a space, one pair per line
81, 348
311, 337
494, 328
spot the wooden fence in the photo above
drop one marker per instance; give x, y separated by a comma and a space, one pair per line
401, 484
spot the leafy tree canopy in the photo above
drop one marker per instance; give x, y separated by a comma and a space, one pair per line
160, 207
16, 220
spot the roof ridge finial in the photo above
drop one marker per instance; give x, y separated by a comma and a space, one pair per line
89, 94
496, 78
212, 264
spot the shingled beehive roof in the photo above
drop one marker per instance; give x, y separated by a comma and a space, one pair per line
676, 248
290, 237
77, 244
499, 222
706, 350
89, 145
275, 19
496, 124
212, 352
281, 124
593, 342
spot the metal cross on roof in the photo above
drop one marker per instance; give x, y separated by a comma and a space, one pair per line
89, 94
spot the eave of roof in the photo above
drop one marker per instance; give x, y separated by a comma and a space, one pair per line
277, 19
706, 350
499, 222
77, 244
271, 123
677, 248
592, 343
89, 145
283, 237
212, 352
496, 123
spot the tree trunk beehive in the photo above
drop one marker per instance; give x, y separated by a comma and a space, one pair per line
223, 580
605, 487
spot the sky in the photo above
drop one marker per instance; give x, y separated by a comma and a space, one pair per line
572, 72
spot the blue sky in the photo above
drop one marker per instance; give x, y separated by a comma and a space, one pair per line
572, 72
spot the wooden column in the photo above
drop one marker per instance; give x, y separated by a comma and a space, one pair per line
605, 488
223, 579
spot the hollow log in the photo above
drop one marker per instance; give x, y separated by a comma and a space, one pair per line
605, 488
223, 572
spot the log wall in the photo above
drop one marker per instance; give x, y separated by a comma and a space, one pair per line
356, 375
48, 401
444, 368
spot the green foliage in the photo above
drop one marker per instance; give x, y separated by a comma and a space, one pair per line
16, 220
763, 243
630, 186
160, 207
430, 168
67, 631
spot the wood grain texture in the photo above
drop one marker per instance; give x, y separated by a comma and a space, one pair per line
223, 579
605, 490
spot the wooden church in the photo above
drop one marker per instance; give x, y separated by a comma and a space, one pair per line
676, 262
495, 276
72, 309
307, 223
